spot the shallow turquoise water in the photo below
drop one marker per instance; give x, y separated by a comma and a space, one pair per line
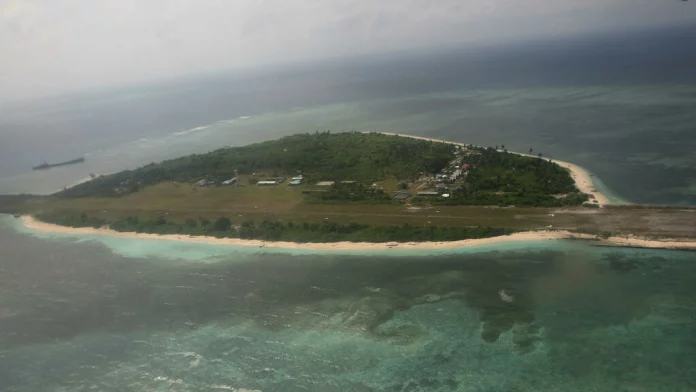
87, 315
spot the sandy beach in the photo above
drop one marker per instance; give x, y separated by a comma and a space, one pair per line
34, 224
583, 179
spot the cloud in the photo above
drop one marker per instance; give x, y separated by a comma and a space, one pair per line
49, 46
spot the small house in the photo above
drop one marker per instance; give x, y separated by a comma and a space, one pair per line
267, 183
455, 175
325, 183
402, 196
295, 182
428, 193
230, 181
202, 182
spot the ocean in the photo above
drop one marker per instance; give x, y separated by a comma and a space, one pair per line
99, 314
621, 106
115, 314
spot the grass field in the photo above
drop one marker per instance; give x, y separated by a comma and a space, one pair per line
283, 203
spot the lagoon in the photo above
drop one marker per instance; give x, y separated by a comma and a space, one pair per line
89, 312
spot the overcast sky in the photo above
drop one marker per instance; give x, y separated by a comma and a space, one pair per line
53, 46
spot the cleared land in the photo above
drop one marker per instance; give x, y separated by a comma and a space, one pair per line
179, 202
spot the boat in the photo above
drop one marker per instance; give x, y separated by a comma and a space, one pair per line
46, 165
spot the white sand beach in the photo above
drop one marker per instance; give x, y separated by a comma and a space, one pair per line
34, 224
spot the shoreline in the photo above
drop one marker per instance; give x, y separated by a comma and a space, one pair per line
528, 236
582, 178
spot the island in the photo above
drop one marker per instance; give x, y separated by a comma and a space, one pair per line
355, 190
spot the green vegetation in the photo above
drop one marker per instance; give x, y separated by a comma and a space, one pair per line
368, 170
504, 179
281, 231
321, 156
493, 177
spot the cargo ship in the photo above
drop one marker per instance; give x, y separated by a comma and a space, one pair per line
46, 165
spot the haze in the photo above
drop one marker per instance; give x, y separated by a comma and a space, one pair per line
49, 47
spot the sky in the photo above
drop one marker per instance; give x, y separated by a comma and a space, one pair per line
48, 47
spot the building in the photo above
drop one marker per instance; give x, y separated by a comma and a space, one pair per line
300, 178
428, 193
295, 182
278, 180
202, 182
230, 181
402, 196
325, 183
467, 166
267, 183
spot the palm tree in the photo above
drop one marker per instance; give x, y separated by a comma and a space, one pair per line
530, 150
540, 155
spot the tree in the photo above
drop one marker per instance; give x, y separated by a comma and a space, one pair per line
502, 146
540, 155
222, 224
403, 186
530, 150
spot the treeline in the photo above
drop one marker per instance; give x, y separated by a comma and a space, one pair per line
495, 171
81, 220
304, 232
506, 179
328, 156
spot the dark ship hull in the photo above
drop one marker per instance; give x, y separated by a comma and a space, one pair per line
45, 166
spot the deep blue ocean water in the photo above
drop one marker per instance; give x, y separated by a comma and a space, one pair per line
114, 314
